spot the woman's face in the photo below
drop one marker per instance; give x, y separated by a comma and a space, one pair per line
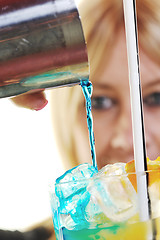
111, 107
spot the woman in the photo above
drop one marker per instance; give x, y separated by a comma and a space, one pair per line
103, 24
105, 35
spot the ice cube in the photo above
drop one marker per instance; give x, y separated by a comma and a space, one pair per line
93, 212
154, 191
73, 215
72, 180
114, 193
112, 169
71, 191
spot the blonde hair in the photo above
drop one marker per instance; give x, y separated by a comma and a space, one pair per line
101, 19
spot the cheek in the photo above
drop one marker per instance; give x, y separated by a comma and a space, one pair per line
103, 129
152, 130
101, 135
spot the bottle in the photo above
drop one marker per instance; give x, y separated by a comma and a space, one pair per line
42, 45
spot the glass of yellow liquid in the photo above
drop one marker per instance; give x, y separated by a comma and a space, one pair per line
89, 204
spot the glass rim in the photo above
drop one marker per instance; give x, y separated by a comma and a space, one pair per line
103, 176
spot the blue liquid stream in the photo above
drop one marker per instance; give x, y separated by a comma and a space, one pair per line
87, 91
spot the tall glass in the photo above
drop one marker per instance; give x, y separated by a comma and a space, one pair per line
105, 207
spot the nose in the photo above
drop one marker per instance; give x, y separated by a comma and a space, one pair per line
122, 134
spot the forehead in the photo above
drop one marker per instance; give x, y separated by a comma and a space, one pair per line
115, 66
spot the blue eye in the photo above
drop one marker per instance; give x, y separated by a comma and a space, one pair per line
102, 103
152, 100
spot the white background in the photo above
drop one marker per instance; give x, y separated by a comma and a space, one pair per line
27, 164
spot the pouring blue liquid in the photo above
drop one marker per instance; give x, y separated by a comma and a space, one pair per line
87, 89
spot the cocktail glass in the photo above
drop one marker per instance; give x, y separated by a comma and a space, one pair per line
105, 206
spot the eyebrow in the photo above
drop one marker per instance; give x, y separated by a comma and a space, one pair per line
102, 86
152, 83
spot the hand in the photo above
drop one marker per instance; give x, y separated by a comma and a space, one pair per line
34, 101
